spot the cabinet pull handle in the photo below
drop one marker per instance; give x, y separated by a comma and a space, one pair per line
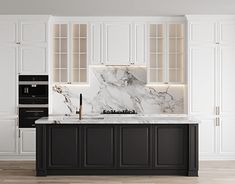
217, 120
17, 43
216, 110
19, 133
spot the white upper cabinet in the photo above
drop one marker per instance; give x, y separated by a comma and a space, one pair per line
202, 32
226, 32
8, 32
118, 43
33, 48
70, 63
95, 45
139, 44
166, 53
33, 32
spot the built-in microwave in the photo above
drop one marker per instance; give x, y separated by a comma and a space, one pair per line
33, 89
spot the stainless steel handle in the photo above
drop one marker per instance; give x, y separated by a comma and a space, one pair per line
217, 122
34, 111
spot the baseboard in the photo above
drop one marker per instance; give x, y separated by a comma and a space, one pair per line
17, 157
216, 157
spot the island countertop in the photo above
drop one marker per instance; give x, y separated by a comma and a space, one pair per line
119, 119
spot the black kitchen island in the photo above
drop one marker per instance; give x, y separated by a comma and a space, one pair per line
96, 147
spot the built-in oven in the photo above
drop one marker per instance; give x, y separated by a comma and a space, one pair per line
33, 89
29, 114
33, 99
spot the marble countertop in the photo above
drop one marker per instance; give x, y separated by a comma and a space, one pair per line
119, 119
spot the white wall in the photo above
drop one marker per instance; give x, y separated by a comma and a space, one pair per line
117, 7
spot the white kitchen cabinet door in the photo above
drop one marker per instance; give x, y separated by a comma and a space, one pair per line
117, 43
27, 141
33, 60
207, 137
8, 61
33, 32
96, 46
8, 32
227, 136
139, 44
226, 32
202, 80
202, 32
227, 85
8, 137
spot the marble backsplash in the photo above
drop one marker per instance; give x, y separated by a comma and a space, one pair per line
118, 88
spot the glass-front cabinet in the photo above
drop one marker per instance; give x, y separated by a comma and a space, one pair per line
166, 53
70, 53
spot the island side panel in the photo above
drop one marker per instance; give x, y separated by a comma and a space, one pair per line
41, 143
193, 150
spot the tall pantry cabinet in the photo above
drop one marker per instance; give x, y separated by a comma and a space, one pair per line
211, 66
23, 50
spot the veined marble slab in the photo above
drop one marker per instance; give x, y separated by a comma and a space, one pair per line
119, 88
129, 119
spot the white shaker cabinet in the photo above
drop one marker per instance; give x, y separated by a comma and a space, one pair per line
211, 83
96, 43
27, 141
139, 43
118, 43
8, 137
33, 48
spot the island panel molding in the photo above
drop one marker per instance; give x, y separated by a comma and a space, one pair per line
126, 151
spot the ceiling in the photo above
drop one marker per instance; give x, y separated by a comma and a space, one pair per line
117, 7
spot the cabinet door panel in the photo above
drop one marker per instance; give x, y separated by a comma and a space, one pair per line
207, 137
227, 136
227, 30
8, 138
8, 62
227, 88
33, 60
139, 44
134, 146
33, 32
28, 141
170, 143
117, 43
96, 43
202, 80
202, 32
98, 146
8, 32
63, 147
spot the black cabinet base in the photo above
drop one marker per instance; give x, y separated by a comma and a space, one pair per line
117, 150
117, 172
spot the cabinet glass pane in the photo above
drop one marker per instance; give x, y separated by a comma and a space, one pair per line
156, 55
176, 52
60, 44
83, 30
83, 74
79, 42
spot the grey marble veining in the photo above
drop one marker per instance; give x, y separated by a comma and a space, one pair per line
129, 119
119, 88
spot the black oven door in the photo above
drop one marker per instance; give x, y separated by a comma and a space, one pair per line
33, 94
28, 116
